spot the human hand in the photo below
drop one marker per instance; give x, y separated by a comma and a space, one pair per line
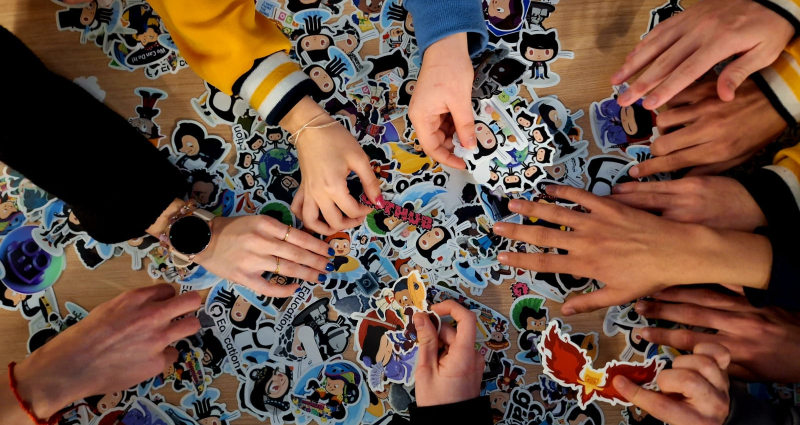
121, 343
243, 248
752, 335
633, 252
720, 202
710, 135
327, 156
455, 374
442, 101
684, 47
693, 392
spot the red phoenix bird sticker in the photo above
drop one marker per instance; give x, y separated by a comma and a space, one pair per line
570, 366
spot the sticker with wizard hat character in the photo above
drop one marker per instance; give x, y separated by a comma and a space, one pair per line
147, 112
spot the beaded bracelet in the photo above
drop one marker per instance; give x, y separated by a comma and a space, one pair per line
13, 384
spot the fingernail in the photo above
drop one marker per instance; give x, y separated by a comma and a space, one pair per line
567, 311
646, 334
641, 306
329, 267
419, 324
380, 202
634, 171
650, 102
502, 257
616, 189
322, 278
472, 142
624, 98
331, 252
616, 76
621, 383
656, 294
551, 189
731, 86
515, 205
499, 227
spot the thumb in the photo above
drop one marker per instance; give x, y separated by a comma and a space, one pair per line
428, 354
370, 183
464, 123
605, 297
737, 71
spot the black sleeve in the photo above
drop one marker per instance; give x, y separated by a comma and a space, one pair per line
746, 410
77, 149
784, 281
477, 411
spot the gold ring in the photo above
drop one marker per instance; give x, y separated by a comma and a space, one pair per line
287, 233
277, 265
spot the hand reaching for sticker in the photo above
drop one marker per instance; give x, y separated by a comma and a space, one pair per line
709, 134
121, 343
694, 391
442, 102
327, 156
455, 374
682, 48
635, 253
752, 335
243, 248
719, 202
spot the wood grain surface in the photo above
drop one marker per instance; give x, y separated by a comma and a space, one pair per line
600, 32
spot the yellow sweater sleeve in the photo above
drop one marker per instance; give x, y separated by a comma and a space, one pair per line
235, 48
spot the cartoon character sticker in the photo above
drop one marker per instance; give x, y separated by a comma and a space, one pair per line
530, 317
334, 392
616, 128
570, 366
266, 391
146, 113
540, 49
195, 148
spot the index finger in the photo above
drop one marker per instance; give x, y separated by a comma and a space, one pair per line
179, 306
659, 405
465, 335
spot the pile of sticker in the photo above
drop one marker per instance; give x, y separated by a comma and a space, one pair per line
129, 32
431, 241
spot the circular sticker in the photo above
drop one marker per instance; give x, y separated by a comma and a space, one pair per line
29, 268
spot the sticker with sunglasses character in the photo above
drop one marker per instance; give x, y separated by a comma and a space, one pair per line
616, 128
539, 49
334, 392
146, 113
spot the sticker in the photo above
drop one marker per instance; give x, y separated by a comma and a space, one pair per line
496, 71
334, 392
530, 318
615, 128
89, 19
196, 149
330, 75
266, 391
570, 366
29, 269
215, 107
539, 49
140, 31
660, 14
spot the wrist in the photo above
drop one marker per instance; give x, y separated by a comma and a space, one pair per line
43, 393
733, 257
158, 227
303, 112
442, 52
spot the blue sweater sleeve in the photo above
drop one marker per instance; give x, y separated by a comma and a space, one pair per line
437, 19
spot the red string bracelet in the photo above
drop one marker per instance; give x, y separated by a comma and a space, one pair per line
22, 404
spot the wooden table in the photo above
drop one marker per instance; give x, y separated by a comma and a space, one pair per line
601, 33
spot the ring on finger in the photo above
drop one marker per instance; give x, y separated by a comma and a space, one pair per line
288, 230
277, 265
